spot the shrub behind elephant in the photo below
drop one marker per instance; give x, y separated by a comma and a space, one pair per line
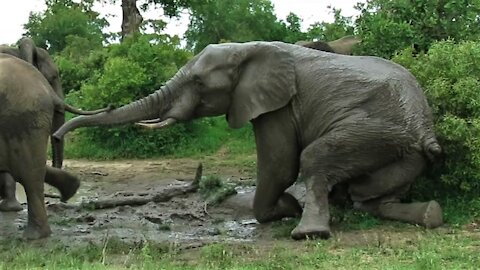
27, 106
361, 121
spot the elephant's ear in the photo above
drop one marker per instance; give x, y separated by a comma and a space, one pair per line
28, 50
266, 82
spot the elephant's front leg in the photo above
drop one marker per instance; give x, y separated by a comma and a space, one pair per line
7, 193
277, 167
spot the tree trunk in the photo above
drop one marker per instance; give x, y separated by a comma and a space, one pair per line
132, 19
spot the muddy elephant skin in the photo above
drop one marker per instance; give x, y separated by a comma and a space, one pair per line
40, 58
27, 106
355, 120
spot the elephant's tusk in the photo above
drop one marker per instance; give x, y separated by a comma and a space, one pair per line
155, 125
151, 121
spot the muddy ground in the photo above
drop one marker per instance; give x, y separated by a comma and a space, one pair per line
186, 221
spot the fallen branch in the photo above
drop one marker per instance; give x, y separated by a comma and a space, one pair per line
162, 196
53, 196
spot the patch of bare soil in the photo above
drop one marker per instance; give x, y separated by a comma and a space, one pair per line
185, 220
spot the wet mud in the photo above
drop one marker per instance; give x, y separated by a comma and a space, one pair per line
186, 221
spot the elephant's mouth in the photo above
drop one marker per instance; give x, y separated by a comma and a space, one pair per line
156, 123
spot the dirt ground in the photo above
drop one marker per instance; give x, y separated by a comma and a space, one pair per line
184, 220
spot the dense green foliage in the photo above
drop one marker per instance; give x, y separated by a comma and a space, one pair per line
215, 21
340, 27
63, 20
387, 26
450, 76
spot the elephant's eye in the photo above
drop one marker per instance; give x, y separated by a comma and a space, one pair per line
198, 81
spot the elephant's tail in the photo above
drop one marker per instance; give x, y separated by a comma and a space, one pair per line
61, 106
432, 149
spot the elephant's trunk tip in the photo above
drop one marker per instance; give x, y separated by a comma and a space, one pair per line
57, 136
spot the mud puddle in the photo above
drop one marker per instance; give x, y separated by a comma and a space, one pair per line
185, 219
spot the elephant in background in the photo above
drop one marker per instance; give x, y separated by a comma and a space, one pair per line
334, 119
40, 58
342, 45
27, 109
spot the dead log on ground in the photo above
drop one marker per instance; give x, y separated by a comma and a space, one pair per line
162, 196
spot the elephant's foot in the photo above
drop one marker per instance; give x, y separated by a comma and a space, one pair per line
287, 206
427, 214
66, 183
10, 205
68, 191
33, 231
310, 232
311, 227
432, 215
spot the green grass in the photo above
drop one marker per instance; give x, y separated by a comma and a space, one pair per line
411, 250
193, 139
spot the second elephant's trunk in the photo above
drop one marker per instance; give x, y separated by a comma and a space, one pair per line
146, 108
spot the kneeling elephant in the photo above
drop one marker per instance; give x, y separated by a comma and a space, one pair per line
360, 121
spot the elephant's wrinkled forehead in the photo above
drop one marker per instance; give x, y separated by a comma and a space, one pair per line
213, 56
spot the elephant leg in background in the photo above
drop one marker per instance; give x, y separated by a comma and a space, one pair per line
277, 168
8, 188
57, 145
65, 182
390, 184
345, 152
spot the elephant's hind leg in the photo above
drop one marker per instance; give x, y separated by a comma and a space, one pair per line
37, 225
379, 194
66, 183
346, 152
9, 202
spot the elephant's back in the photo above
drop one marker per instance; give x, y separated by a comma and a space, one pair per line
25, 101
22, 85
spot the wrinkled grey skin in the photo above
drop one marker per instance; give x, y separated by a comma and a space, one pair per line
40, 58
27, 107
355, 120
342, 45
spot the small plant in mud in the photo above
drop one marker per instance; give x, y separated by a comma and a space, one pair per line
164, 227
282, 228
214, 190
350, 219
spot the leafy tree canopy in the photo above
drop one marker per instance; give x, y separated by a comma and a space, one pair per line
63, 19
403, 23
214, 21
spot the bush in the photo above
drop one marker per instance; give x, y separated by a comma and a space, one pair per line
450, 76
127, 72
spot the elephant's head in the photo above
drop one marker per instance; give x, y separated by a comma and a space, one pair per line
242, 81
42, 60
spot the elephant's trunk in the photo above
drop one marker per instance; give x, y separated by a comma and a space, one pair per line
146, 108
